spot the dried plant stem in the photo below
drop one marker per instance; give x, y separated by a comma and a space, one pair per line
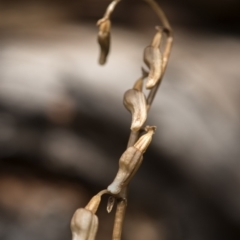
133, 138
160, 13
119, 218
111, 8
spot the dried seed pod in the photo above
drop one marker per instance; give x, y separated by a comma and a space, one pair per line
84, 225
153, 58
135, 102
129, 162
144, 141
104, 39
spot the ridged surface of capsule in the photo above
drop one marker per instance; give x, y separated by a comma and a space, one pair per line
84, 225
153, 59
135, 102
144, 141
129, 163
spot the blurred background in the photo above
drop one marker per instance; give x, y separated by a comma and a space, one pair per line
63, 126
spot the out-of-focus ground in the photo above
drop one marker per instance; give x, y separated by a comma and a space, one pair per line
63, 126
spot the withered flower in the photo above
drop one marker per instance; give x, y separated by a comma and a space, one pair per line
144, 141
153, 59
130, 161
135, 102
84, 225
104, 39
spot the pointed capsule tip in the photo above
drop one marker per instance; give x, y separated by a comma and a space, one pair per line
150, 128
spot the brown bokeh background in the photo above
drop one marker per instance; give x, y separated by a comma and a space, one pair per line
63, 126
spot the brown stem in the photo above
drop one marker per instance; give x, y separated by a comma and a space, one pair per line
119, 216
156, 8
133, 138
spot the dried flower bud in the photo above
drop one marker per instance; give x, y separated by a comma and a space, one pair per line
129, 163
135, 102
104, 39
153, 58
144, 141
84, 225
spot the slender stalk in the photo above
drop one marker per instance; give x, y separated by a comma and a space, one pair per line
109, 11
133, 138
119, 218
156, 8
111, 8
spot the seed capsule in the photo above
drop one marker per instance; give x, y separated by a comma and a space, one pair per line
104, 39
144, 141
130, 161
153, 58
128, 165
135, 102
84, 225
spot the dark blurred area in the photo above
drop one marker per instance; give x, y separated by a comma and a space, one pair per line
63, 126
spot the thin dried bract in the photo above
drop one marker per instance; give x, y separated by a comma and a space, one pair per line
110, 204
